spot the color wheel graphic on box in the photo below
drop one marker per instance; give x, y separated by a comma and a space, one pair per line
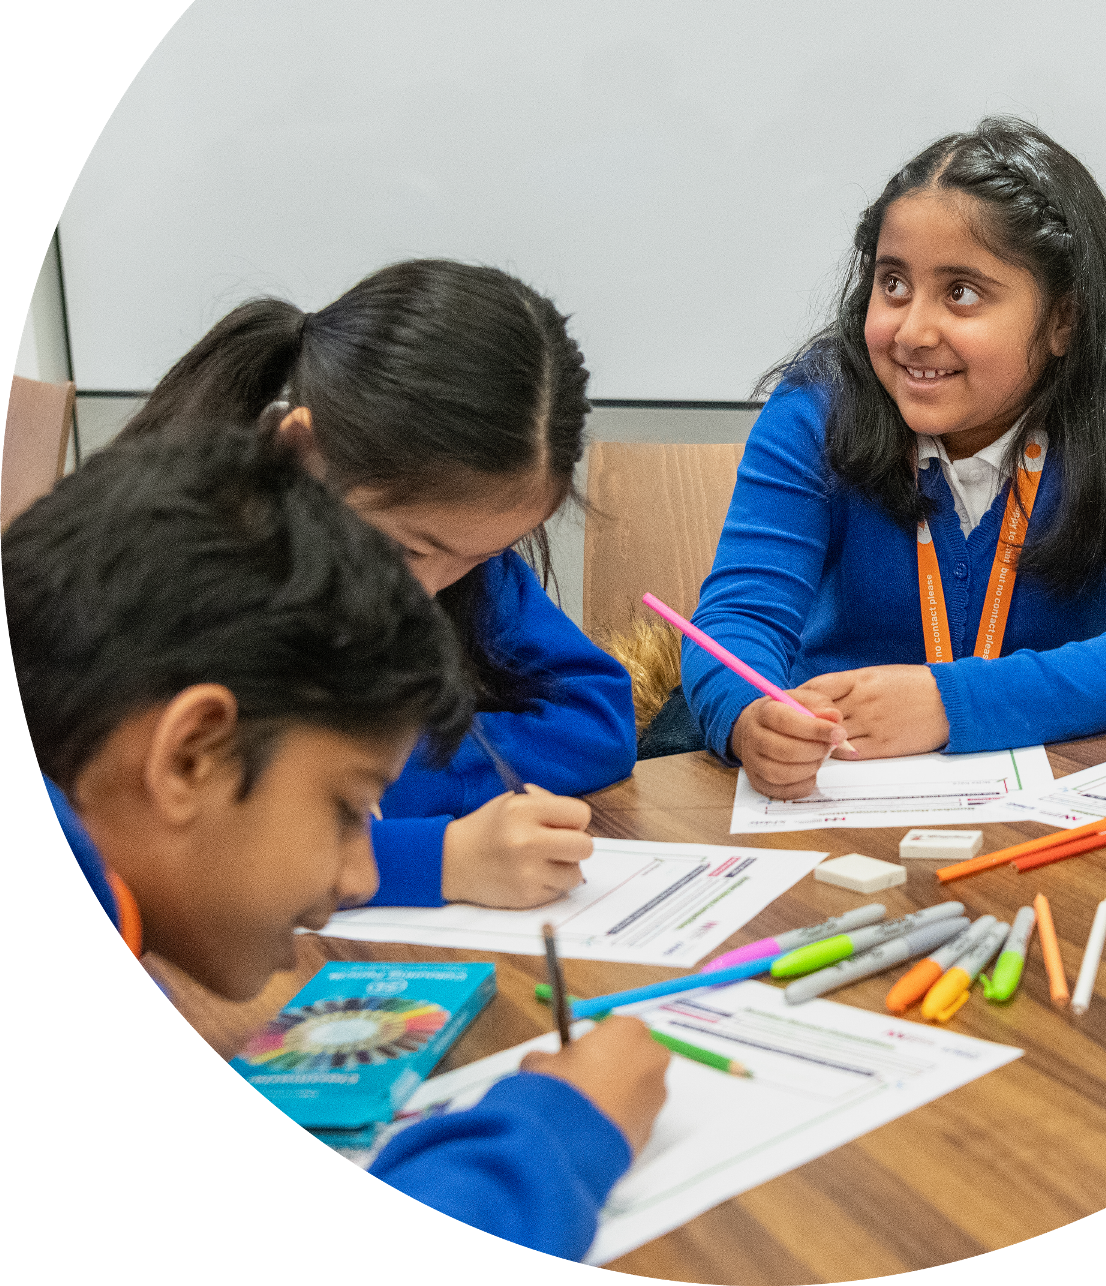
355, 1032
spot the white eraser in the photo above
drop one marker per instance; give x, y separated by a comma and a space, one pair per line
956, 846
861, 874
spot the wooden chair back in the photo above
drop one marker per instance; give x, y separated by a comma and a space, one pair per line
655, 515
36, 436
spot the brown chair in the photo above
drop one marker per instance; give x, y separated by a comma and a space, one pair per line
656, 512
36, 437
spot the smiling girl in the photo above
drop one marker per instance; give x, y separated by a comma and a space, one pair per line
446, 404
916, 545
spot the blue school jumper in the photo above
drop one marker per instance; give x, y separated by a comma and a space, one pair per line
581, 739
811, 578
532, 1162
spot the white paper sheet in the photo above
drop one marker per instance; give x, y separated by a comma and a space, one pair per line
643, 903
915, 790
823, 1074
1071, 801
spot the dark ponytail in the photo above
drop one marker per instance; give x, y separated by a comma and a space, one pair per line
239, 367
1040, 208
431, 381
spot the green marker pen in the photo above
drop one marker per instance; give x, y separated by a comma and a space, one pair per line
819, 955
1007, 972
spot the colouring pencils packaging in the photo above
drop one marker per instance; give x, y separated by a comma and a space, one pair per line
354, 1045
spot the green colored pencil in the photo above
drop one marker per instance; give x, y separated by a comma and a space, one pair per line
718, 1061
544, 992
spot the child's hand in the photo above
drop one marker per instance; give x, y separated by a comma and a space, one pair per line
889, 710
517, 851
780, 749
620, 1068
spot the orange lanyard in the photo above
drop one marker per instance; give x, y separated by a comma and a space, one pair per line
1004, 570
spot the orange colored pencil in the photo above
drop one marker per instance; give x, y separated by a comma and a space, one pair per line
1057, 854
988, 860
1050, 949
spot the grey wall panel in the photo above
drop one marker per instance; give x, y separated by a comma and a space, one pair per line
683, 175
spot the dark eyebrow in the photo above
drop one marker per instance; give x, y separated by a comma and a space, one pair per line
949, 270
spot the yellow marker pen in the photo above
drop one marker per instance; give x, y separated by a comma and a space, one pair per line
952, 989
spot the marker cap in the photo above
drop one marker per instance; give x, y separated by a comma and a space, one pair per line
912, 986
1005, 977
943, 996
958, 1003
816, 956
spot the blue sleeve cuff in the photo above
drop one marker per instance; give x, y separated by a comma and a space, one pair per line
1025, 698
533, 1162
408, 853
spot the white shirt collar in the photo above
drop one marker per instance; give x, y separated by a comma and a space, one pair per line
934, 448
973, 489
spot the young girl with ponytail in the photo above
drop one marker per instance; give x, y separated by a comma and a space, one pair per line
447, 403
916, 545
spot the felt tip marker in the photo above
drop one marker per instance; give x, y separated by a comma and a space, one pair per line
887, 955
858, 918
1007, 972
954, 986
818, 955
912, 986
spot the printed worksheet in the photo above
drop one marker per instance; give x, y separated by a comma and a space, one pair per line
1071, 801
643, 903
822, 1075
916, 790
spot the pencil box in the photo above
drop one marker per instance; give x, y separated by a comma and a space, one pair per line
354, 1045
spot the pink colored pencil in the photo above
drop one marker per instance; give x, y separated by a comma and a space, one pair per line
728, 659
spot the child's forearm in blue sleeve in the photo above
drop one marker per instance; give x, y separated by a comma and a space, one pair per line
532, 1162
582, 736
768, 566
408, 855
1025, 698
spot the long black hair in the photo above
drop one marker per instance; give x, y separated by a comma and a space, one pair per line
429, 380
1039, 207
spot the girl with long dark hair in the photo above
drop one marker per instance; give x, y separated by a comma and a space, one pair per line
916, 545
447, 404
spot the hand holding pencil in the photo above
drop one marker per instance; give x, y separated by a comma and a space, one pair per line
619, 1067
781, 751
781, 742
517, 850
621, 1073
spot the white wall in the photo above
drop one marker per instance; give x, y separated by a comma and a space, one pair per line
42, 349
682, 175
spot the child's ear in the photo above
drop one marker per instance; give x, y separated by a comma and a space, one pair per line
1061, 325
190, 750
297, 428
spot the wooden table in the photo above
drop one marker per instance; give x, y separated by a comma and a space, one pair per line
1012, 1155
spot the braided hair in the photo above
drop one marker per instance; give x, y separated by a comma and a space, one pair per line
1036, 206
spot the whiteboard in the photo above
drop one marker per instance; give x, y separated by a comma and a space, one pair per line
683, 176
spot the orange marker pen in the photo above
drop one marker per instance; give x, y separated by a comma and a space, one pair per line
912, 986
